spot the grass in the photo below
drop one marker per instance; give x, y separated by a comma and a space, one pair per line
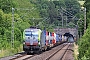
76, 51
9, 52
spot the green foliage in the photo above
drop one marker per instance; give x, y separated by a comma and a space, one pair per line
6, 5
87, 4
50, 28
18, 35
84, 45
60, 3
71, 25
1, 18
27, 11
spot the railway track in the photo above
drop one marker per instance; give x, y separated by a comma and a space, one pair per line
64, 52
58, 55
22, 57
68, 54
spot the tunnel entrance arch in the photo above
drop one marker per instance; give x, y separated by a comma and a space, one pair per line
70, 37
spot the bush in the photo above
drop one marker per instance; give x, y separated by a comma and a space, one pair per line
84, 45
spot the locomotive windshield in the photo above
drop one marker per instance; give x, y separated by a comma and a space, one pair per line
32, 33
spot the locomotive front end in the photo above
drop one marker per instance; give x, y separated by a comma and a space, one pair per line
31, 40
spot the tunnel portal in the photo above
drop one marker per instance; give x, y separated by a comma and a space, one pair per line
70, 37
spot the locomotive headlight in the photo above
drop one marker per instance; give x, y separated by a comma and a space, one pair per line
23, 42
39, 43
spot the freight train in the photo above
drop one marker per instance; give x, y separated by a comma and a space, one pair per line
37, 40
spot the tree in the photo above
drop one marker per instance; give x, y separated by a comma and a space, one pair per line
6, 5
52, 12
1, 18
